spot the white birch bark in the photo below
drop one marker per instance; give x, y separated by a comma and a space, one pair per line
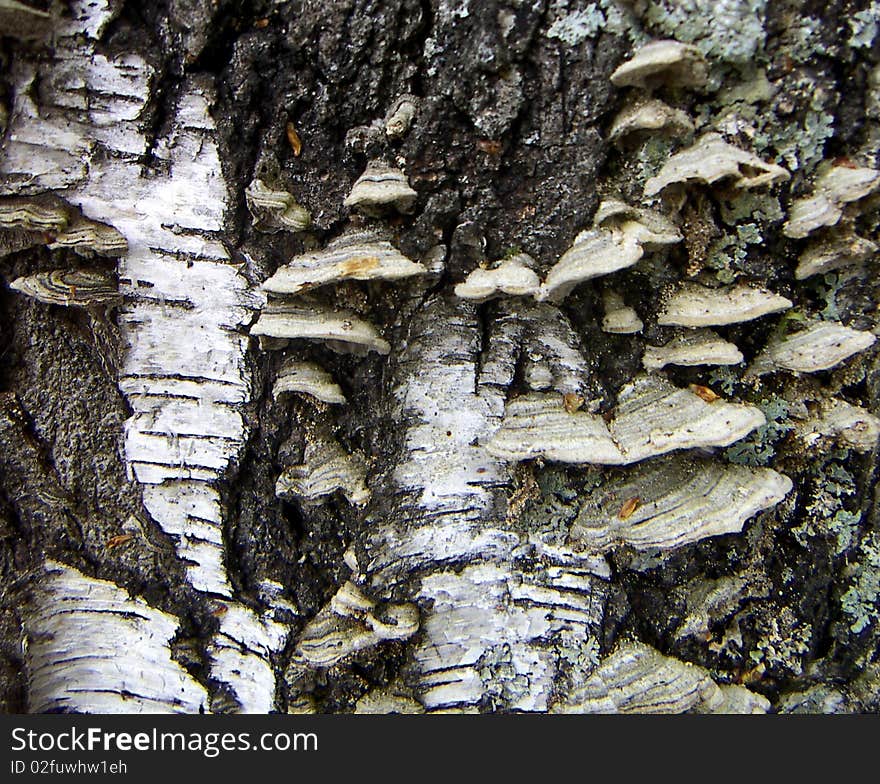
78, 132
505, 613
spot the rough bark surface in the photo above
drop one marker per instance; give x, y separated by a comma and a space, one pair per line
140, 444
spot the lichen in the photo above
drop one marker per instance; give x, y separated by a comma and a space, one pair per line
729, 253
828, 289
578, 25
759, 448
577, 656
800, 145
727, 30
503, 683
553, 511
825, 512
861, 601
571, 28
783, 644
864, 26
805, 37
723, 378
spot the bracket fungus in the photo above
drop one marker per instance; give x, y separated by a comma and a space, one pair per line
853, 426
618, 239
663, 62
821, 346
44, 213
350, 623
649, 115
83, 288
619, 318
275, 210
513, 277
342, 330
379, 188
651, 229
700, 347
693, 305
86, 236
50, 220
835, 188
681, 500
326, 468
400, 116
354, 256
307, 378
712, 159
595, 252
831, 253
636, 678
652, 417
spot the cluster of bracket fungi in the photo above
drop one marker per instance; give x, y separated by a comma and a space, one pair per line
674, 499
671, 499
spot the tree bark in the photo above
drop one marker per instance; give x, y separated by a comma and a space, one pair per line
148, 563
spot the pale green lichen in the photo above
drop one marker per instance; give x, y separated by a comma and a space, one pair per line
578, 655
861, 601
578, 25
763, 207
759, 448
573, 27
728, 30
804, 39
553, 511
825, 512
784, 643
817, 699
827, 287
723, 378
728, 253
799, 145
864, 26
502, 683
650, 156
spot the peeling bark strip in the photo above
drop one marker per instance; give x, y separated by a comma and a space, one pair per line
184, 302
92, 648
504, 610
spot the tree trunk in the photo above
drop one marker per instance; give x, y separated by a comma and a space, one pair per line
508, 512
